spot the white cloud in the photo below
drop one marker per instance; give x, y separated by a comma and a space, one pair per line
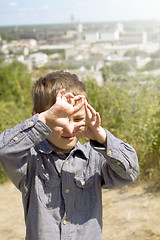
46, 7
13, 4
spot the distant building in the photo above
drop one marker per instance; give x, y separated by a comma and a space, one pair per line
92, 36
70, 53
32, 42
133, 37
120, 28
109, 36
84, 73
55, 47
151, 47
118, 49
80, 31
38, 59
101, 35
25, 51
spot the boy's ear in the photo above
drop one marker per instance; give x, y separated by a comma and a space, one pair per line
33, 113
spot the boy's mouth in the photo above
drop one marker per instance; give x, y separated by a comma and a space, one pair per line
68, 137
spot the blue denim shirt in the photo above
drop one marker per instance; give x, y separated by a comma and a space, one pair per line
62, 194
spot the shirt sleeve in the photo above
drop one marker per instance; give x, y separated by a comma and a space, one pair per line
16, 144
121, 162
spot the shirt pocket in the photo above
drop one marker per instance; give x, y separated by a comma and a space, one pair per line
49, 190
85, 193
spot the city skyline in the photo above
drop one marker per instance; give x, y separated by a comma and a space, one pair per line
29, 12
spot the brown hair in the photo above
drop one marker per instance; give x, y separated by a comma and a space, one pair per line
44, 90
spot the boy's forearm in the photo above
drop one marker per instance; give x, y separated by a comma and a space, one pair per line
16, 144
121, 158
23, 136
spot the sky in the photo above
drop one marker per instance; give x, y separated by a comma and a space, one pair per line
21, 12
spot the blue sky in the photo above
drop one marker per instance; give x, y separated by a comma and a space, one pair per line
21, 12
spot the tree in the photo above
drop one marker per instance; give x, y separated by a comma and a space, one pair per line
119, 68
114, 69
154, 64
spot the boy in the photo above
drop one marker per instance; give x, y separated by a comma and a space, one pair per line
59, 178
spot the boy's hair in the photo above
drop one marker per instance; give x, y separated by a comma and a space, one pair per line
44, 90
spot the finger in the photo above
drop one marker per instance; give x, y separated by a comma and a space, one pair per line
92, 110
93, 113
79, 97
71, 101
79, 127
60, 93
62, 90
80, 133
74, 99
79, 105
89, 114
68, 95
98, 118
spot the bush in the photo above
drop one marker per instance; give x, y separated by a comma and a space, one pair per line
15, 98
128, 111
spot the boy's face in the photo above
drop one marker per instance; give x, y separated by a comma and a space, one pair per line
64, 138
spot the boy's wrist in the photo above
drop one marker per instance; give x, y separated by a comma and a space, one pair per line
102, 136
42, 117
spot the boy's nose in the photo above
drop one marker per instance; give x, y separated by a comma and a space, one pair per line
69, 128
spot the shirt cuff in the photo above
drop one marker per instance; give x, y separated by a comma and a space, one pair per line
113, 151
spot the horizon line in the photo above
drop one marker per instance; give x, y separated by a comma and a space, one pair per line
83, 22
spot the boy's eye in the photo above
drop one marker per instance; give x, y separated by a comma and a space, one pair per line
78, 119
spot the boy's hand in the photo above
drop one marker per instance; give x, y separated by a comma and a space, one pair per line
66, 105
94, 130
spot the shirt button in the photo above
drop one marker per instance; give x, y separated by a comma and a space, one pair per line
31, 123
118, 163
64, 222
109, 152
83, 183
67, 191
15, 139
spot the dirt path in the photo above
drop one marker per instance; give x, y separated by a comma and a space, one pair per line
11, 213
130, 213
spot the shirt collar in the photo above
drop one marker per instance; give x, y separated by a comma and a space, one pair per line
82, 148
46, 148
